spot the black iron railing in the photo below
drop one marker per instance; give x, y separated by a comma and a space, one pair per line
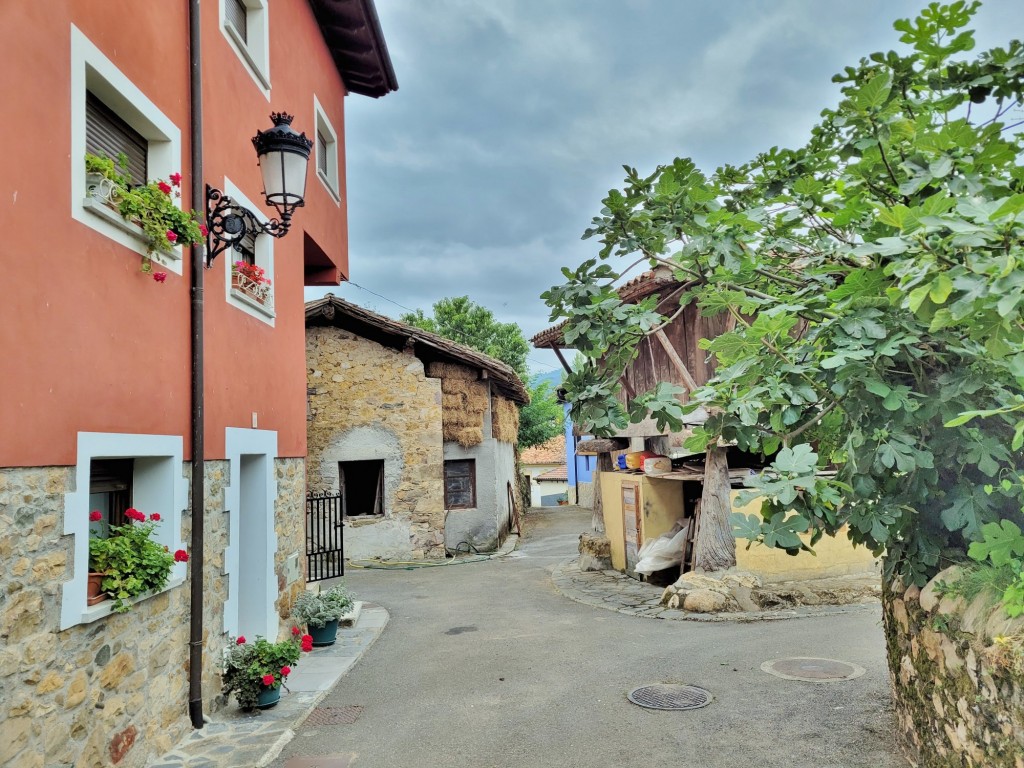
325, 551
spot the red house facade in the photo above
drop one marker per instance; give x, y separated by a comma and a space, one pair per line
101, 332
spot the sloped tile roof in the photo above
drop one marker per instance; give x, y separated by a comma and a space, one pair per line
551, 452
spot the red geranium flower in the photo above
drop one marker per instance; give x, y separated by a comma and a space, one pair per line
155, 517
286, 670
176, 179
203, 230
307, 643
240, 640
181, 556
268, 679
133, 514
296, 631
164, 187
171, 236
95, 516
159, 276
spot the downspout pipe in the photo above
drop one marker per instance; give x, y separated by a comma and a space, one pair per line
195, 654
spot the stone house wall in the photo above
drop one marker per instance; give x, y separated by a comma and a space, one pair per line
374, 402
958, 677
114, 691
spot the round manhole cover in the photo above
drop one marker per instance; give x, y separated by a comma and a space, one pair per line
671, 697
813, 670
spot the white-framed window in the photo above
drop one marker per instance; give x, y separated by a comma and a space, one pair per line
253, 296
246, 25
107, 111
326, 152
155, 485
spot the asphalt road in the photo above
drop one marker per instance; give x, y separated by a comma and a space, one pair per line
484, 665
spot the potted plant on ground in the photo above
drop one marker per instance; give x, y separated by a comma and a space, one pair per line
128, 561
320, 612
255, 671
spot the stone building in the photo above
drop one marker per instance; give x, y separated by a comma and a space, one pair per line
149, 376
416, 434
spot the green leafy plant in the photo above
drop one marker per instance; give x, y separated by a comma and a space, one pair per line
1001, 555
250, 668
315, 610
130, 561
150, 205
870, 289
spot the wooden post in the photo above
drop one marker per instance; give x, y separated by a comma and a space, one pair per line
714, 548
604, 464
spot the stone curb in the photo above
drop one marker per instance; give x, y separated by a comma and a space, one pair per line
614, 591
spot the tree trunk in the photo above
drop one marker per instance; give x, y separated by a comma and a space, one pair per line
715, 548
604, 464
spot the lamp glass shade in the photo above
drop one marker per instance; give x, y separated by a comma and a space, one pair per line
283, 156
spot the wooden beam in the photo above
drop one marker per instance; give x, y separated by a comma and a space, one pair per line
597, 447
558, 354
676, 360
626, 388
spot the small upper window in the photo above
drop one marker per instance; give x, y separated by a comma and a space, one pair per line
107, 135
460, 484
245, 25
321, 153
326, 152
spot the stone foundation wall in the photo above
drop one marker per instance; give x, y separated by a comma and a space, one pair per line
958, 677
373, 402
114, 691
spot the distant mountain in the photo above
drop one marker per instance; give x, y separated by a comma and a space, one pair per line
554, 378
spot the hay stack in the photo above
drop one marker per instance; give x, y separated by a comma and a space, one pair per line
505, 420
463, 403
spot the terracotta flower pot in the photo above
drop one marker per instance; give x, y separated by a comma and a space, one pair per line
95, 593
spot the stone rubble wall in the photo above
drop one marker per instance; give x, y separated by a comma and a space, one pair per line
114, 691
957, 675
373, 402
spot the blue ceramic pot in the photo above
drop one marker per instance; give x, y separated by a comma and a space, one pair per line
325, 635
268, 697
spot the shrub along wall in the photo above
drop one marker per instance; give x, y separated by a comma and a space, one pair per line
958, 677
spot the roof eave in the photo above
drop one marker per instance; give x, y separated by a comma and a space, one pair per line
352, 32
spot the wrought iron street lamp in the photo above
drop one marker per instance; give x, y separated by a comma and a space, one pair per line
283, 156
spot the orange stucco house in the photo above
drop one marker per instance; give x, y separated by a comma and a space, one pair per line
128, 372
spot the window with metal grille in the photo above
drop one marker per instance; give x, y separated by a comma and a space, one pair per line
460, 484
110, 491
238, 14
321, 153
107, 135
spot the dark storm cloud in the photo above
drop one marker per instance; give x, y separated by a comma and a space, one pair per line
514, 117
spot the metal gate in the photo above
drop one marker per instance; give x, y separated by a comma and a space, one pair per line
325, 552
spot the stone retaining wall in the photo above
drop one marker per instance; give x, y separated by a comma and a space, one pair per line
958, 677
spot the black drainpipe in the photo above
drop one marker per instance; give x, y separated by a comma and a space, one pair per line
195, 648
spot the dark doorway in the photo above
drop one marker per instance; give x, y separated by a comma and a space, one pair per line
362, 487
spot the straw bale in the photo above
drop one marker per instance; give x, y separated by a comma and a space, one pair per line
505, 420
464, 436
451, 371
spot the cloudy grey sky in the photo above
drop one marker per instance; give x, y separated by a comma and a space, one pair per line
513, 119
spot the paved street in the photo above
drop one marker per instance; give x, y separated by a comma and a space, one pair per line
487, 665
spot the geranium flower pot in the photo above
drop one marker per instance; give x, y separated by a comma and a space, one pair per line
95, 593
325, 635
268, 697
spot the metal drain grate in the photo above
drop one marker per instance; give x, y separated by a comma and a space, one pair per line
813, 670
334, 715
670, 697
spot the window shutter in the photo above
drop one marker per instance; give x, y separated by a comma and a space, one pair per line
247, 248
107, 135
321, 154
237, 13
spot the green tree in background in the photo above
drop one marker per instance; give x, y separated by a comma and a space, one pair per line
465, 322
875, 287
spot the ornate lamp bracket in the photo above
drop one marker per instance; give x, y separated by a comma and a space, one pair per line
228, 222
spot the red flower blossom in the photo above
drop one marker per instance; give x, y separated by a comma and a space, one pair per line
171, 236
176, 179
286, 670
159, 276
95, 516
203, 230
268, 679
307, 643
155, 517
133, 514
240, 640
296, 631
181, 556
164, 187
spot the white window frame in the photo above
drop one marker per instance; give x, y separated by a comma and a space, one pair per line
254, 49
92, 71
330, 180
264, 249
158, 485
